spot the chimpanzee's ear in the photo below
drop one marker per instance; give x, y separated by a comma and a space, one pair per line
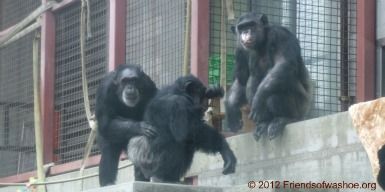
232, 28
263, 19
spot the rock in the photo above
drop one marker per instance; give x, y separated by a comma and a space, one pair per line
369, 121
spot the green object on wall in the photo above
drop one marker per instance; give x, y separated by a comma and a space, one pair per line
215, 69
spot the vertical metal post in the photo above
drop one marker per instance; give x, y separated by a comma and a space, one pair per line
37, 115
344, 55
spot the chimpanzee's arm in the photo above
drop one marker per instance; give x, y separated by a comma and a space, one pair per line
236, 95
210, 140
241, 71
121, 129
280, 78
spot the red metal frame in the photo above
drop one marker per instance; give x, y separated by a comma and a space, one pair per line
366, 49
47, 85
117, 33
199, 63
200, 28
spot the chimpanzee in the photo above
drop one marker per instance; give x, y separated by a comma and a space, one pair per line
381, 174
177, 114
269, 75
120, 103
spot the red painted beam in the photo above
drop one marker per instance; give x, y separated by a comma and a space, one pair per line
54, 170
366, 49
200, 26
74, 165
117, 33
23, 177
47, 85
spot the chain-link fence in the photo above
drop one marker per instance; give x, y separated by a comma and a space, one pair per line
326, 30
155, 37
17, 138
73, 128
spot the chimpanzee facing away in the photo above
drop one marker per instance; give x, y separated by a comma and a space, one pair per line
120, 103
269, 75
381, 174
177, 114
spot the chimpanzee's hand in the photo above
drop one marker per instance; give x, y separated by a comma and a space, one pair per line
148, 130
215, 91
229, 161
255, 111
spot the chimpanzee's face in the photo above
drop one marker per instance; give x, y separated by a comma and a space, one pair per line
250, 30
128, 91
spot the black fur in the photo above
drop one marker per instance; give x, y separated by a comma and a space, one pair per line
117, 122
269, 75
177, 113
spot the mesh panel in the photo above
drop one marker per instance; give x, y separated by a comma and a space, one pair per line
73, 127
155, 37
17, 138
13, 11
327, 34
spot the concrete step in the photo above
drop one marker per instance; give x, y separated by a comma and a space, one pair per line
161, 187
154, 187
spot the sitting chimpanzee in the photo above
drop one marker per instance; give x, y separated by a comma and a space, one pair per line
120, 103
269, 75
381, 174
177, 114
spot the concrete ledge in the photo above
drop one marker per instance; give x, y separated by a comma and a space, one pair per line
154, 187
316, 150
321, 149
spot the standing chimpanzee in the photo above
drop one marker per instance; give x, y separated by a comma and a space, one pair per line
381, 173
120, 103
177, 114
269, 75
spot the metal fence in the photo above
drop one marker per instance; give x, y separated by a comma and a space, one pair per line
155, 37
326, 30
17, 138
155, 32
73, 129
13, 11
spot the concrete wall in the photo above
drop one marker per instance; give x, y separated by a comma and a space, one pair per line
322, 149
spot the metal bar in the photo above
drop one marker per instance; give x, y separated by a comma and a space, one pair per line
6, 125
117, 33
63, 4
344, 55
47, 79
17, 148
37, 113
200, 27
22, 33
366, 50
31, 17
